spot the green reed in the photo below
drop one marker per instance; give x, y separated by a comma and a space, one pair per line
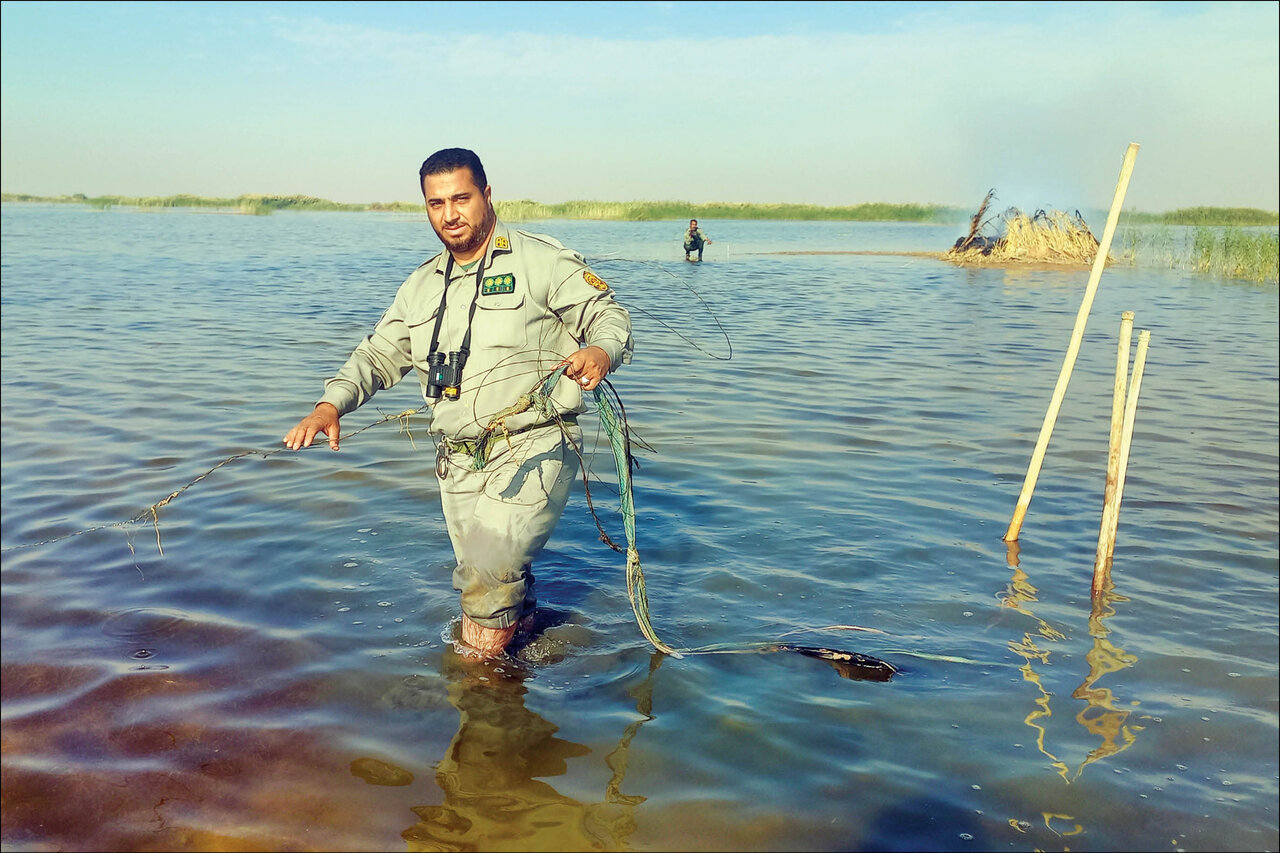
1205, 216
1237, 255
1228, 252
258, 205
1234, 253
655, 211
525, 210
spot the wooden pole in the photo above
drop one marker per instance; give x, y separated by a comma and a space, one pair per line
1113, 446
1073, 349
1117, 405
1111, 512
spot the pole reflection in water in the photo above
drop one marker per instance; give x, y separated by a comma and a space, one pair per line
1100, 716
1016, 595
491, 774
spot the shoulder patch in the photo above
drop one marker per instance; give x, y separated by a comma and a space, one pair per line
594, 280
501, 242
505, 283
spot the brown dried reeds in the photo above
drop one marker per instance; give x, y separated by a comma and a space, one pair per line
1047, 237
976, 223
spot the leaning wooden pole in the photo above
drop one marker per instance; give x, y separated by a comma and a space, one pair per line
1073, 349
1111, 511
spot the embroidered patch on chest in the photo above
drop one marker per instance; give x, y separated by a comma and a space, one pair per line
594, 280
498, 284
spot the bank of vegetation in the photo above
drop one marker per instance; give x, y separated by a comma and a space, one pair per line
526, 210
1222, 241
1241, 217
645, 211
1227, 252
656, 211
260, 205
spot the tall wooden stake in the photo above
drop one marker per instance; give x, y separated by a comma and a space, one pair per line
1111, 511
1073, 349
1117, 405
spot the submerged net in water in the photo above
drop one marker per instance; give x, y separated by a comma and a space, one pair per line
1052, 237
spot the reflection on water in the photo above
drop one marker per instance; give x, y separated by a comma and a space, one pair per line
1017, 595
492, 772
1099, 717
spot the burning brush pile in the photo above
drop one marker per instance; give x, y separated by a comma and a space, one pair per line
1013, 237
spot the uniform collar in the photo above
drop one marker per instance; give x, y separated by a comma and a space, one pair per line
499, 244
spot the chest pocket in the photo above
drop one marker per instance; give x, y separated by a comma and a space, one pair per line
420, 340
500, 320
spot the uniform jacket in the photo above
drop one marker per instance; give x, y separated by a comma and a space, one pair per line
535, 303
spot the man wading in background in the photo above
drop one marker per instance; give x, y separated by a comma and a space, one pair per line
694, 240
482, 323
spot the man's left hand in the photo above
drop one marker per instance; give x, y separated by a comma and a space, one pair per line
587, 367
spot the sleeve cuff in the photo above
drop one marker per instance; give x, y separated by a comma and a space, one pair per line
341, 394
617, 353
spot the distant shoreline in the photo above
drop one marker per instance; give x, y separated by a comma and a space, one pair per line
645, 211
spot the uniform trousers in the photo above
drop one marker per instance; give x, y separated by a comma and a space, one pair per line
501, 516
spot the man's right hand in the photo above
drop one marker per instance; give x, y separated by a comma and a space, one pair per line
323, 420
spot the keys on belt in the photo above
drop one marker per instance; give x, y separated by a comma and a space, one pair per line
451, 445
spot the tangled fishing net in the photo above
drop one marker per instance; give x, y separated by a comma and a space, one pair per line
614, 421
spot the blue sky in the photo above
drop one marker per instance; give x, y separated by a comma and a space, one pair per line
822, 103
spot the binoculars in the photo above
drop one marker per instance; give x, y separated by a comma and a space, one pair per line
444, 377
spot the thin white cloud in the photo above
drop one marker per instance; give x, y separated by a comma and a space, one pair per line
934, 108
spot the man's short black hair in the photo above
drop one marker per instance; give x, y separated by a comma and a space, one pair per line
451, 159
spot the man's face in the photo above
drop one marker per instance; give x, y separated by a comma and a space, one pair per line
693, 224
460, 212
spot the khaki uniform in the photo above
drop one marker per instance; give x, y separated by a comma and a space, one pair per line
694, 240
535, 303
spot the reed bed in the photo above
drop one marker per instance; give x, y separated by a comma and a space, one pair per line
1045, 237
642, 211
1236, 253
655, 211
254, 204
524, 210
1242, 217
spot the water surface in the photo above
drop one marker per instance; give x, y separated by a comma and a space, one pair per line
837, 440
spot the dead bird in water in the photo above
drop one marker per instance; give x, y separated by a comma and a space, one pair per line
851, 665
854, 666
555, 633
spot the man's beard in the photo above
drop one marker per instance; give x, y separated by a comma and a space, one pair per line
472, 241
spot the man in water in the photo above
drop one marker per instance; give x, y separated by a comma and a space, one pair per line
483, 323
694, 240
